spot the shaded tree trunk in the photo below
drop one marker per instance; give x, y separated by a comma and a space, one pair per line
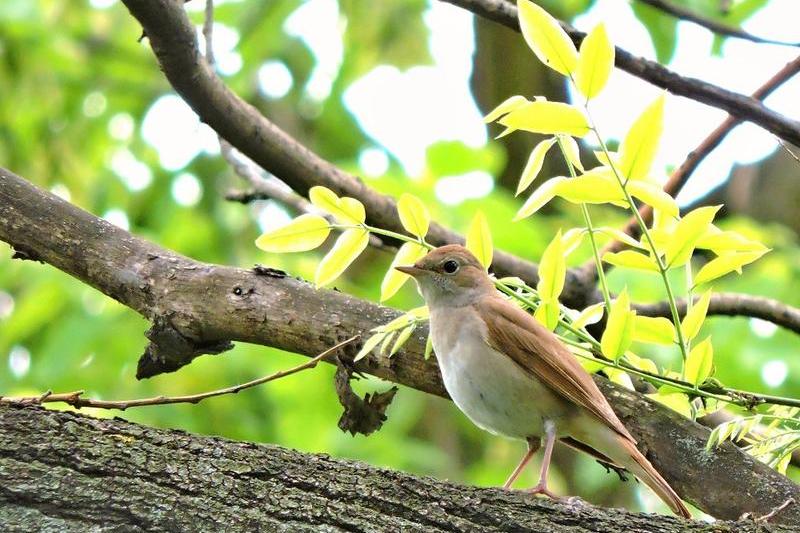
64, 472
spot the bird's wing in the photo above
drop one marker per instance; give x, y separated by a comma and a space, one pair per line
512, 331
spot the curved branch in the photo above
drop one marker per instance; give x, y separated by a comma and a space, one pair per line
197, 305
66, 472
735, 304
173, 40
738, 105
719, 28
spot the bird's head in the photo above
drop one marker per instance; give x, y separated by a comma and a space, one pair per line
450, 276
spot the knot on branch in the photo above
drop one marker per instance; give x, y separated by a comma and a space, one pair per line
169, 349
363, 416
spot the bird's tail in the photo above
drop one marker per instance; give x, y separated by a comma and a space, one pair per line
637, 463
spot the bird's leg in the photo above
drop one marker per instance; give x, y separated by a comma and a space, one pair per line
549, 441
533, 446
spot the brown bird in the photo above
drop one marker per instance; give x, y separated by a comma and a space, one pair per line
511, 376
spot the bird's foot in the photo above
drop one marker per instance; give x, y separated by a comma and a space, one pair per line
541, 488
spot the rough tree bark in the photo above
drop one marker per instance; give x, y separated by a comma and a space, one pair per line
199, 308
64, 472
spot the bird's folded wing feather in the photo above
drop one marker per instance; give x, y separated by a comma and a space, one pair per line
537, 350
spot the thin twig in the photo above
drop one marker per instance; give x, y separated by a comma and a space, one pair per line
788, 150
712, 25
76, 400
681, 175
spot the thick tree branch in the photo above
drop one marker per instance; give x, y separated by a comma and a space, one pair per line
196, 305
738, 105
65, 472
714, 26
173, 40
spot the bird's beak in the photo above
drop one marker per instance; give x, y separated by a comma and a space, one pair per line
411, 270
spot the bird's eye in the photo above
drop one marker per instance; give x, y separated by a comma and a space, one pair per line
450, 267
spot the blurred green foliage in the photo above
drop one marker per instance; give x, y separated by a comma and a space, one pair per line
76, 87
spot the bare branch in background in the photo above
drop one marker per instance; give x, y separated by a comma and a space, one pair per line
738, 105
719, 28
77, 400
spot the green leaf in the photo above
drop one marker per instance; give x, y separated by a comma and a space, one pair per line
725, 264
590, 315
534, 164
572, 239
638, 149
547, 118
657, 330
508, 105
547, 314
348, 247
720, 242
618, 334
402, 338
690, 326
619, 235
592, 188
413, 215
631, 259
408, 254
305, 232
687, 232
346, 210
428, 347
641, 363
699, 362
653, 195
544, 35
677, 401
539, 198
572, 151
552, 270
479, 239
371, 343
595, 62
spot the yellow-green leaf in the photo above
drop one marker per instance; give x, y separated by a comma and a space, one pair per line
638, 149
348, 247
408, 254
687, 232
725, 264
591, 188
306, 232
544, 35
699, 362
369, 345
605, 161
539, 198
428, 347
619, 235
508, 105
727, 241
548, 118
677, 401
572, 151
547, 314
595, 62
653, 195
479, 240
658, 330
587, 360
534, 164
690, 326
413, 215
618, 334
590, 315
572, 239
641, 363
631, 259
346, 210
402, 338
619, 377
552, 270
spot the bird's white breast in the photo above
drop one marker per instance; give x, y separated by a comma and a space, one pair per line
488, 386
